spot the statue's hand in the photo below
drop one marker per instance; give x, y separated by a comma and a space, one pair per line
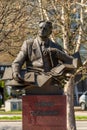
52, 49
17, 77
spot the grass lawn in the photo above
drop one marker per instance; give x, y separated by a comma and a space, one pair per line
6, 116
81, 117
11, 112
13, 118
19, 118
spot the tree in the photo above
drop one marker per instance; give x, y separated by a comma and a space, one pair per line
72, 38
15, 24
67, 39
19, 20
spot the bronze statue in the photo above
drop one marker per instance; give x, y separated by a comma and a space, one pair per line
42, 57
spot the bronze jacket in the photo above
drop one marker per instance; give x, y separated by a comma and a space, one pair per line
31, 54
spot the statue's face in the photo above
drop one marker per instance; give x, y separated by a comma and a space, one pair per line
44, 29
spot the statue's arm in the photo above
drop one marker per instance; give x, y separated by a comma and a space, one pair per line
61, 55
20, 59
64, 57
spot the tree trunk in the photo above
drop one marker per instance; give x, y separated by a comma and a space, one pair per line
41, 9
80, 29
69, 87
69, 91
65, 36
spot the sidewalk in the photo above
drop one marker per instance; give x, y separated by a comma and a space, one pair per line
77, 108
79, 112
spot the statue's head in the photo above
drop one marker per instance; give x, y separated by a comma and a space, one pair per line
45, 28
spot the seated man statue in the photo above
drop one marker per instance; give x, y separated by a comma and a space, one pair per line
41, 55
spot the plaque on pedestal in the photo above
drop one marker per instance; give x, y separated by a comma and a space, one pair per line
44, 112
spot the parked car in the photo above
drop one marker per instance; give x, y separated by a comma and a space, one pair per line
83, 101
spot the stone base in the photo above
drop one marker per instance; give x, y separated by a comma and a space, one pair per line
44, 112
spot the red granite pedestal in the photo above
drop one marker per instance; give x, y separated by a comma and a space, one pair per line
44, 112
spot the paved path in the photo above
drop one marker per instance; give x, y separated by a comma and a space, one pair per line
81, 125
10, 125
10, 115
81, 113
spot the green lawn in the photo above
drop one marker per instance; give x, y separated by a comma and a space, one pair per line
81, 117
13, 118
19, 118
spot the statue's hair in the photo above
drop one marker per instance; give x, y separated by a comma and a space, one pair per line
49, 23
